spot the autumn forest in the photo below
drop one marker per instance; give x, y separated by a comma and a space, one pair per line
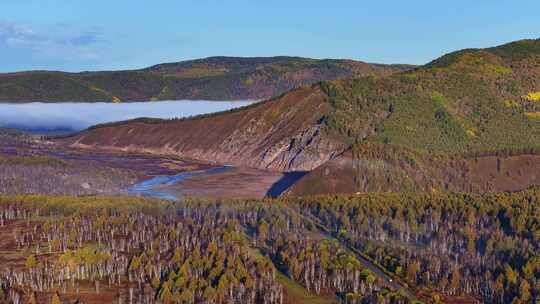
434, 247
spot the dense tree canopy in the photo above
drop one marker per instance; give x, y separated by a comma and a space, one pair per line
435, 246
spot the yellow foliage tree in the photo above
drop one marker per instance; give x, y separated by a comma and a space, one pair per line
56, 299
533, 96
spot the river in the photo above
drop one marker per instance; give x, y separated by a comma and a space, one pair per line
156, 187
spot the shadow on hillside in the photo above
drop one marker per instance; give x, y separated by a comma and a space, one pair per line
288, 179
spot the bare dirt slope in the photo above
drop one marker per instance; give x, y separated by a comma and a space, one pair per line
281, 134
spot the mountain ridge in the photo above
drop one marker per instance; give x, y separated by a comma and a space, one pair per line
212, 78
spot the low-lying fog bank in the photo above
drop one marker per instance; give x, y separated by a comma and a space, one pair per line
63, 117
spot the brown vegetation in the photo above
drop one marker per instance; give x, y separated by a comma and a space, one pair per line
405, 170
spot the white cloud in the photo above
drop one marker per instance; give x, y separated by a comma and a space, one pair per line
17, 35
53, 43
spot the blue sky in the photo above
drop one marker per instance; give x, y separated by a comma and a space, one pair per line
76, 35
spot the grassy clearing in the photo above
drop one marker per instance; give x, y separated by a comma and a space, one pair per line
297, 294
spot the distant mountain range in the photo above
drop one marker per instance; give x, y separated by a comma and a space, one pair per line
214, 78
469, 121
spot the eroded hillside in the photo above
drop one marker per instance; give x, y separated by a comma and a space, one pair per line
285, 133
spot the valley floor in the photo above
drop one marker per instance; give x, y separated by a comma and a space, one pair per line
32, 165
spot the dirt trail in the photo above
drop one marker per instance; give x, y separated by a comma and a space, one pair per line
376, 270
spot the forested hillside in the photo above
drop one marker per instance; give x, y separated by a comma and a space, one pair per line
214, 78
472, 100
440, 126
465, 122
368, 248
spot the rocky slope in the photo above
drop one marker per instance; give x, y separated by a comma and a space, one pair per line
282, 134
416, 129
214, 78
